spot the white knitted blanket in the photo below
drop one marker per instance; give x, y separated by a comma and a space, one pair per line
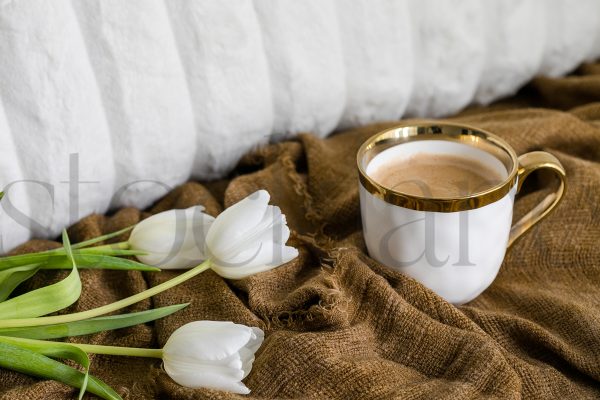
107, 103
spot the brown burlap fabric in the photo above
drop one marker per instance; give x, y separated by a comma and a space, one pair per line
338, 324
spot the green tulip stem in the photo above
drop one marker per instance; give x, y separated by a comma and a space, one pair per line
95, 312
120, 351
88, 348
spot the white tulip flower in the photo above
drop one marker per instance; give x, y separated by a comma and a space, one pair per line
172, 239
248, 237
212, 354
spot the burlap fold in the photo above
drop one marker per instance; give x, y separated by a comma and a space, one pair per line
338, 324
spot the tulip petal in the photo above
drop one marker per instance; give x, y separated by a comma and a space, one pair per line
155, 258
233, 373
256, 340
207, 340
143, 235
197, 378
264, 258
247, 353
281, 233
247, 359
271, 229
236, 222
197, 228
268, 230
161, 220
171, 261
172, 239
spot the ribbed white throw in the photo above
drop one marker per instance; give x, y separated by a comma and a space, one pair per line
107, 103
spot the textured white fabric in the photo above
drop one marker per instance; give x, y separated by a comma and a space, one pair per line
514, 47
376, 39
55, 118
571, 28
134, 97
143, 92
221, 49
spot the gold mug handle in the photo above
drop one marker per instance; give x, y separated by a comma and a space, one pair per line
528, 163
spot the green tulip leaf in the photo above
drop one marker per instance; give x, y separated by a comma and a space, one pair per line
26, 361
102, 238
108, 251
13, 277
92, 325
67, 246
43, 256
47, 299
60, 350
97, 261
27, 259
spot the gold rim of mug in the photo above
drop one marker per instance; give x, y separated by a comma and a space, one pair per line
435, 130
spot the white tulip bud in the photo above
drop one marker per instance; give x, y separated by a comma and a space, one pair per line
212, 354
249, 237
172, 239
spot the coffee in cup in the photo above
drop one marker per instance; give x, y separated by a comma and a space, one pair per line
436, 175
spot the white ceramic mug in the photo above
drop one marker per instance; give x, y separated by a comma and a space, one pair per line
454, 246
